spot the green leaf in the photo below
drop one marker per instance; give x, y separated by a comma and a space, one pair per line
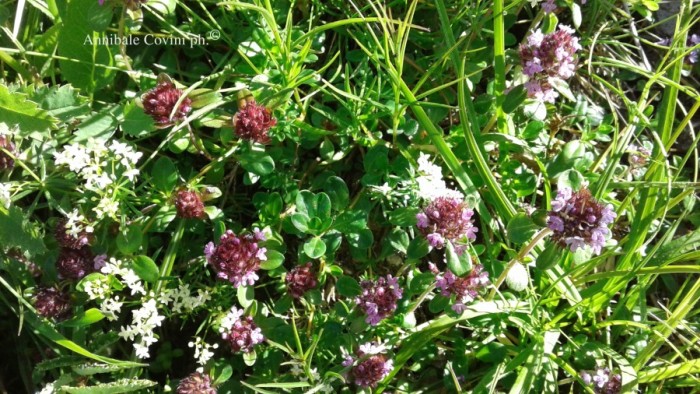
87, 61
300, 222
338, 192
571, 179
404, 217
458, 264
398, 239
514, 98
257, 161
164, 175
99, 16
87, 369
90, 316
274, 260
16, 232
245, 295
376, 160
136, 123
116, 387
550, 256
418, 248
62, 102
521, 228
348, 287
315, 247
100, 126
549, 23
145, 268
224, 375
18, 112
129, 239
249, 358
438, 303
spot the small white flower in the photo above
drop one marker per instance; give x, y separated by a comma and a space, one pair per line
111, 307
5, 195
202, 352
48, 389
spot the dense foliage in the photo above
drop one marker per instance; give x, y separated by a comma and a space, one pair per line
309, 196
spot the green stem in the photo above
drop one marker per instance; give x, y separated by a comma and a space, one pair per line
499, 62
170, 254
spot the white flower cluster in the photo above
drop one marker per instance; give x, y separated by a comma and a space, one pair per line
125, 275
298, 371
97, 287
101, 166
202, 352
5, 196
430, 182
111, 307
142, 329
48, 389
182, 300
74, 224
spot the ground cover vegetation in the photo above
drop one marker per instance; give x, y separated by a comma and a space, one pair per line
306, 196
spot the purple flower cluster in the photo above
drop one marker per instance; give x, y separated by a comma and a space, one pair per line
253, 121
446, 219
694, 55
237, 259
378, 299
300, 279
603, 381
189, 205
577, 220
69, 241
160, 101
196, 383
370, 366
6, 162
546, 57
52, 303
240, 331
75, 263
465, 289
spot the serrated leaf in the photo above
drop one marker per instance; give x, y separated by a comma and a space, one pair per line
62, 102
136, 123
16, 232
87, 369
18, 112
86, 64
116, 387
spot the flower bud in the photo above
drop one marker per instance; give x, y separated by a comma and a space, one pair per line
6, 162
160, 101
300, 279
196, 383
52, 303
253, 121
189, 205
75, 263
517, 278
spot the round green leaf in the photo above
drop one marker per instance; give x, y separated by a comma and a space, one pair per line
274, 260
348, 287
315, 247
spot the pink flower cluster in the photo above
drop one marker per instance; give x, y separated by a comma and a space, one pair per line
253, 121
378, 299
160, 102
603, 381
240, 331
196, 383
546, 57
446, 219
465, 289
300, 279
52, 303
370, 366
577, 220
237, 259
